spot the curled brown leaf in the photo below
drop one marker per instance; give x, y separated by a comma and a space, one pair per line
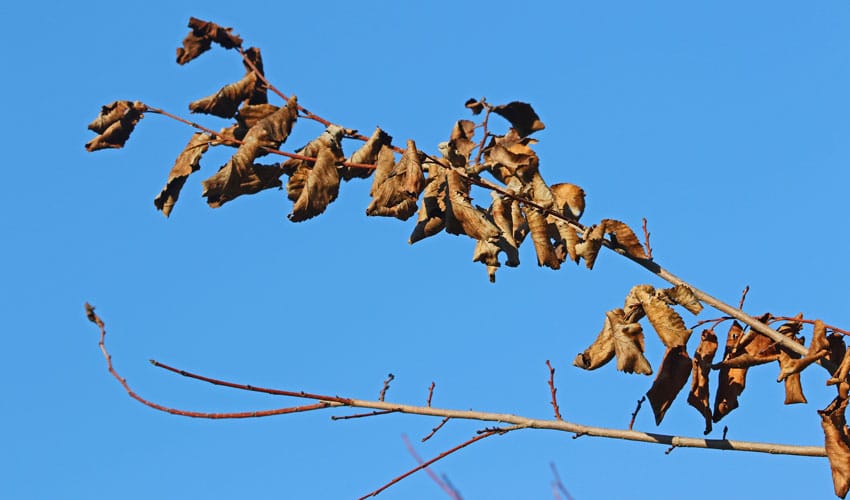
522, 117
670, 380
731, 381
837, 444
394, 193
202, 36
461, 216
700, 394
114, 124
187, 162
313, 188
367, 154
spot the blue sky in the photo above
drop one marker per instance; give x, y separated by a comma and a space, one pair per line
724, 124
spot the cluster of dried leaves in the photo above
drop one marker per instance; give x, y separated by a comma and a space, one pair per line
438, 190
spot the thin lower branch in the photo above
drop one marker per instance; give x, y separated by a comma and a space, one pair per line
442, 484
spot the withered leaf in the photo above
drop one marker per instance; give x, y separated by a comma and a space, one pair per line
249, 114
460, 143
837, 444
227, 99
588, 248
114, 124
682, 295
793, 385
201, 37
486, 251
367, 154
617, 338
396, 194
522, 117
539, 228
240, 175
187, 162
569, 199
666, 322
461, 216
671, 377
313, 188
699, 394
474, 105
731, 381
622, 234
792, 363
432, 213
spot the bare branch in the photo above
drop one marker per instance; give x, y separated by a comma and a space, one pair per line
451, 492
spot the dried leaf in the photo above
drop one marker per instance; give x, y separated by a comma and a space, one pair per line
461, 216
240, 175
682, 295
539, 228
475, 105
837, 444
621, 234
666, 322
487, 252
566, 238
601, 351
227, 99
201, 37
522, 117
187, 162
395, 195
432, 213
731, 381
588, 248
249, 114
617, 338
699, 394
569, 199
367, 154
841, 373
671, 377
313, 188
114, 124
792, 363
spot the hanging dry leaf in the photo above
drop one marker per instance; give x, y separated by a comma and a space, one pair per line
617, 338
601, 351
522, 117
837, 444
589, 247
114, 124
395, 194
837, 348
792, 363
240, 175
569, 199
227, 99
539, 229
699, 394
566, 238
367, 154
313, 188
682, 295
731, 381
201, 37
475, 105
187, 162
432, 213
460, 143
487, 252
666, 322
671, 377
461, 216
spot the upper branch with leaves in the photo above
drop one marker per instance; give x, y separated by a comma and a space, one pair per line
436, 187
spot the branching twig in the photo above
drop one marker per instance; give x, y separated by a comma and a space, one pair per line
646, 234
435, 429
431, 392
362, 415
554, 391
386, 386
635, 414
451, 492
743, 297
429, 462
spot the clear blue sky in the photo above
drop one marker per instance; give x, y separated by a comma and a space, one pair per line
726, 124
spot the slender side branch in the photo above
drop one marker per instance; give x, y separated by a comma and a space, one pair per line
442, 484
554, 391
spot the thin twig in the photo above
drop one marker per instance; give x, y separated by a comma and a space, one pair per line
386, 386
637, 409
670, 449
743, 297
362, 415
429, 462
435, 429
810, 322
431, 392
725, 430
646, 234
451, 492
554, 391
557, 483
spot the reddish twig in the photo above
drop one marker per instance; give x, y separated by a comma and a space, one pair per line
451, 492
423, 465
558, 485
646, 234
386, 386
435, 429
811, 322
362, 415
431, 393
637, 409
743, 297
484, 131
554, 391
94, 318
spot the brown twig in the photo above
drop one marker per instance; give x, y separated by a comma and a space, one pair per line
431, 392
811, 322
386, 386
423, 465
646, 234
362, 415
743, 297
484, 131
637, 409
435, 429
670, 449
451, 492
557, 484
554, 391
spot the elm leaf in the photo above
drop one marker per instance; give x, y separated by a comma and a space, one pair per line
699, 394
187, 162
670, 380
200, 39
837, 444
114, 124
